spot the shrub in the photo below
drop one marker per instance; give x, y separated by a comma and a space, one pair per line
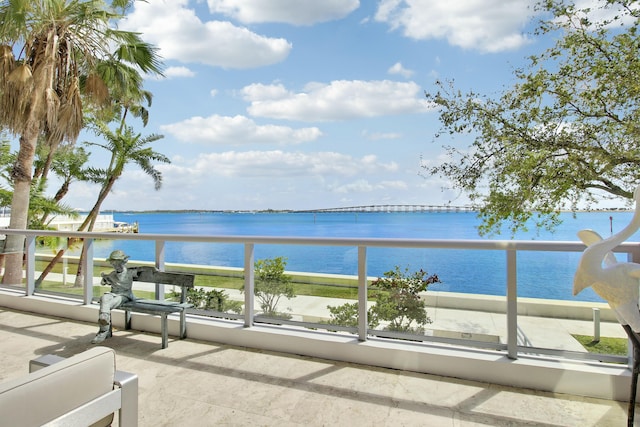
213, 299
397, 303
271, 284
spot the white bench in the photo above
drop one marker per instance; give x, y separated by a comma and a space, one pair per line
78, 391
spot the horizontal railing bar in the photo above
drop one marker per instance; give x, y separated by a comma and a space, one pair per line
463, 342
466, 244
570, 354
213, 313
309, 325
60, 294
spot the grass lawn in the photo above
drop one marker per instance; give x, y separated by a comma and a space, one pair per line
617, 346
225, 282
325, 286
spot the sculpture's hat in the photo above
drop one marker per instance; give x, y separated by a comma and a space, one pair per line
117, 255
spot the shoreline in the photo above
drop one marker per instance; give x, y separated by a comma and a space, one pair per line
451, 209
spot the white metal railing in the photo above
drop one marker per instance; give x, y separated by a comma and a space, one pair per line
510, 247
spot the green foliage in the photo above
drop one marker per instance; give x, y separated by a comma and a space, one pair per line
567, 132
344, 315
271, 284
397, 303
213, 299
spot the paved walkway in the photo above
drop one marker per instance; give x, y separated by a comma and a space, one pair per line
193, 383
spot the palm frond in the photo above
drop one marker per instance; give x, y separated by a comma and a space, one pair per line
70, 117
97, 90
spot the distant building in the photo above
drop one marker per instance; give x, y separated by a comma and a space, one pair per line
104, 224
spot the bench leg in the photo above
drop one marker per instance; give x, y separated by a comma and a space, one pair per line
127, 320
183, 325
165, 332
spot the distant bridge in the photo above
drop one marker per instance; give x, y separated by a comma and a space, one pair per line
393, 208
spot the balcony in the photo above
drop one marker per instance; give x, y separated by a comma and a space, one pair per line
509, 341
200, 383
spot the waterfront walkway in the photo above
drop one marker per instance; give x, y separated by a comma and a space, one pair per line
193, 383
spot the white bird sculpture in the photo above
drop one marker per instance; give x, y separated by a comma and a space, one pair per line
616, 282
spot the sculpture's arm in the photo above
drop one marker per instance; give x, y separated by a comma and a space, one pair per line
590, 237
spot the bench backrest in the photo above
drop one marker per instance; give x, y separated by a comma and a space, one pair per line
151, 275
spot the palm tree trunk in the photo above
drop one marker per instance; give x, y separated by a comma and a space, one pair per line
21, 174
88, 224
49, 267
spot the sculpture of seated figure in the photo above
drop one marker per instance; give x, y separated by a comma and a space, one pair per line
121, 281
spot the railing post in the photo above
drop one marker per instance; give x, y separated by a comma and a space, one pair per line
30, 246
160, 245
512, 304
362, 293
87, 267
249, 284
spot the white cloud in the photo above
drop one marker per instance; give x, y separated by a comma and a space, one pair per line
282, 164
237, 130
363, 186
181, 35
338, 100
177, 72
376, 136
296, 12
485, 25
398, 68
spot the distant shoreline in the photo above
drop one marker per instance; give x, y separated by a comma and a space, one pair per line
327, 211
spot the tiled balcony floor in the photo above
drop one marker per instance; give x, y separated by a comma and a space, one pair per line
194, 383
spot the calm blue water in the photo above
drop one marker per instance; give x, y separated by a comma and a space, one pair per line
540, 275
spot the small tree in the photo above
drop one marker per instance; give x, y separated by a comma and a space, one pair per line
271, 284
397, 302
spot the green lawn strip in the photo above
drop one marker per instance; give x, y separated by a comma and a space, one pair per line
97, 290
58, 268
326, 290
223, 282
328, 286
606, 345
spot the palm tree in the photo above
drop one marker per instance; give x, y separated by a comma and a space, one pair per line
126, 147
46, 46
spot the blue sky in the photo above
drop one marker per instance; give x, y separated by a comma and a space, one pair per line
304, 104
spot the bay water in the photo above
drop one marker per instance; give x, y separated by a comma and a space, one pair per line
540, 274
